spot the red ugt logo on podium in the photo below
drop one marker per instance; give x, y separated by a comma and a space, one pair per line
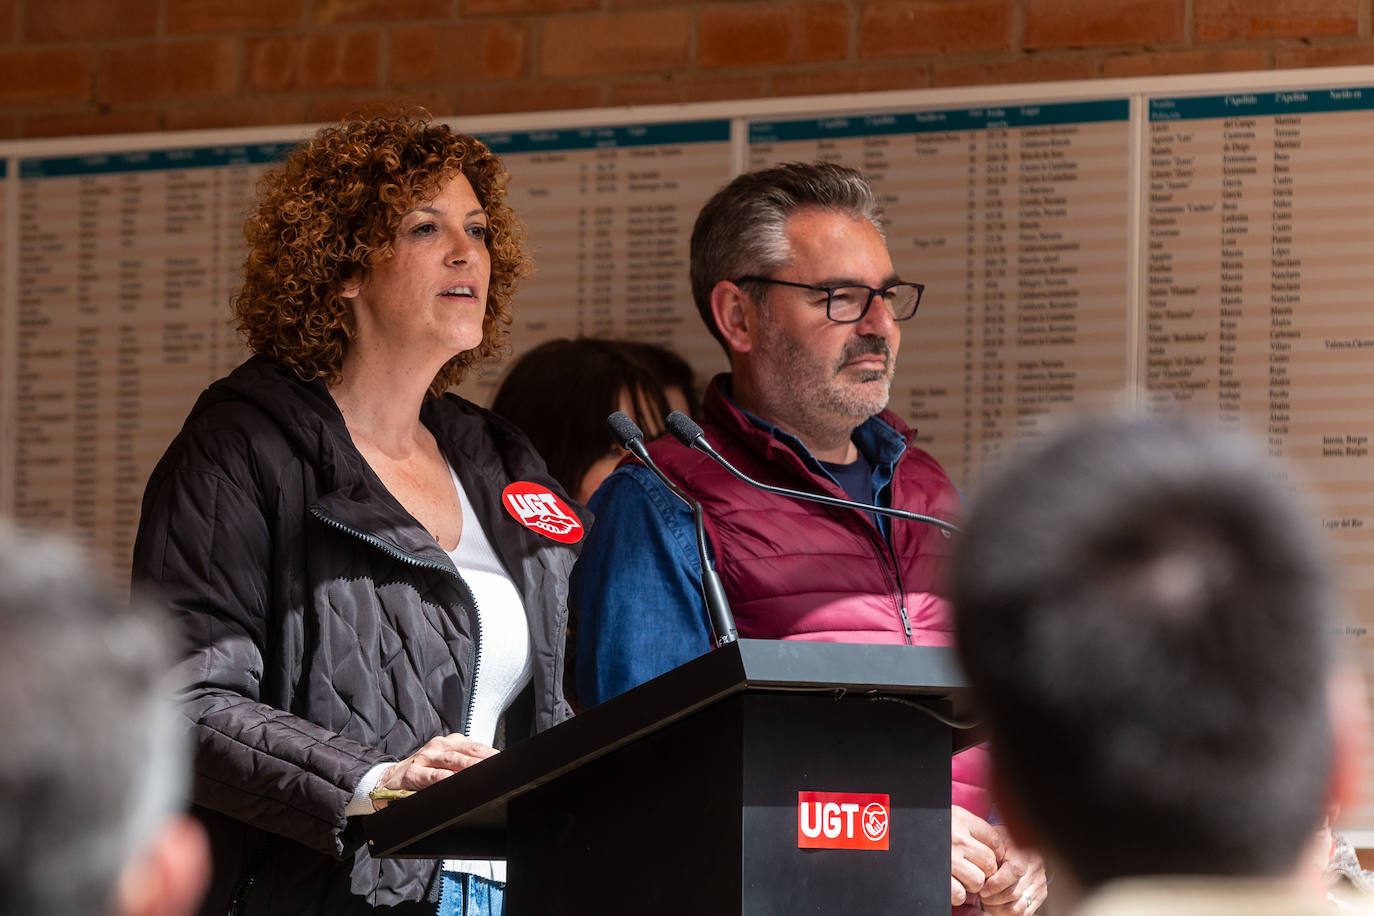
842, 820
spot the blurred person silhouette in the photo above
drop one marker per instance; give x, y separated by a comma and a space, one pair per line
94, 764
674, 374
561, 392
1143, 608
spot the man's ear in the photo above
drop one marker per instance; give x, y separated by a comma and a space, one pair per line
171, 874
736, 316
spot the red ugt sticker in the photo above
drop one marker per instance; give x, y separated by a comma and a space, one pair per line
842, 820
533, 506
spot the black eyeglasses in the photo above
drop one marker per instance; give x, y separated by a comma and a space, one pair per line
847, 304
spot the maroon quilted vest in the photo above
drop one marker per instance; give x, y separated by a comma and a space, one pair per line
798, 570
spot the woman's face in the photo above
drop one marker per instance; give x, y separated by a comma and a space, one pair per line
602, 467
677, 399
425, 304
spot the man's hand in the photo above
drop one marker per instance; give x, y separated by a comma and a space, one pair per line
1019, 885
976, 849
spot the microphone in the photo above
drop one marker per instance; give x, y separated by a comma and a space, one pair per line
631, 438
691, 435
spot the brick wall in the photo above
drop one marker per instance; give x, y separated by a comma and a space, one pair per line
102, 66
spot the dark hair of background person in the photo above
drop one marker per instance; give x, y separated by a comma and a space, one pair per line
742, 230
332, 210
93, 757
671, 370
561, 392
1143, 608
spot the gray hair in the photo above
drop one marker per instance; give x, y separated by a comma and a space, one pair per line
742, 229
93, 758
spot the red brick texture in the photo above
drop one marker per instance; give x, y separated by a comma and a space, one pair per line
1065, 23
45, 77
96, 66
755, 34
900, 28
1166, 64
334, 107
1295, 56
525, 7
657, 91
1227, 20
9, 21
330, 60
636, 42
455, 55
258, 112
196, 16
85, 20
1036, 70
533, 96
334, 12
885, 78
149, 73
57, 124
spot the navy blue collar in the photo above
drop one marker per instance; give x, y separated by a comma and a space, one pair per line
877, 440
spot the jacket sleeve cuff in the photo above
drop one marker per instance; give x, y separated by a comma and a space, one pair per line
361, 803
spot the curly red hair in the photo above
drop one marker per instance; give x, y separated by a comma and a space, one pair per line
332, 210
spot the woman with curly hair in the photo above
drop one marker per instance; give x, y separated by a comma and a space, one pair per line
371, 573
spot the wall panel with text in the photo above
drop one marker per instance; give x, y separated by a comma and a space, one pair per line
1202, 243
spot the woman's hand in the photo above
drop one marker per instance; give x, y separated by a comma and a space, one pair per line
439, 757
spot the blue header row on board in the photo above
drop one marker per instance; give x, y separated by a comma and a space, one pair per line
718, 130
1262, 104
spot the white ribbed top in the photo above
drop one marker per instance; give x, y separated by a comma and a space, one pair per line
503, 656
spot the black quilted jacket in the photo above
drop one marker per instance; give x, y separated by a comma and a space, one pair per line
327, 631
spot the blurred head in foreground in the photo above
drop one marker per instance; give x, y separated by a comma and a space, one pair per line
1143, 608
93, 764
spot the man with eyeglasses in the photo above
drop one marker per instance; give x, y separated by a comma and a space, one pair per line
791, 274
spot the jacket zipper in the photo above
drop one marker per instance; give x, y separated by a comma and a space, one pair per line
236, 902
901, 588
384, 547
893, 571
896, 561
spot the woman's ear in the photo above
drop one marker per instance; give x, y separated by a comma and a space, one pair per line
352, 283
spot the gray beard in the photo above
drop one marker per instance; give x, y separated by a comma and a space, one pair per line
832, 407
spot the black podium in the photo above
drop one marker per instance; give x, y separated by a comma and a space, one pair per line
684, 795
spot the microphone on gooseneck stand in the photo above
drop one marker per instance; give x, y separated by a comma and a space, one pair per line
692, 436
631, 438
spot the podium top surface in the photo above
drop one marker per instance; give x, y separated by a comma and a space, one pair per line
474, 800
